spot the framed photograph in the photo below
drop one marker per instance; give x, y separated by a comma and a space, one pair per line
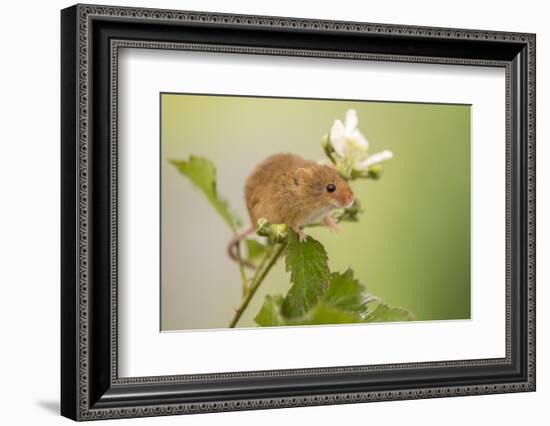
263, 212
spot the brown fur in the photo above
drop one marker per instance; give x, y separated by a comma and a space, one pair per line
285, 188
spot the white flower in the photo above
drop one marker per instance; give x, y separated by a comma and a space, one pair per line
345, 137
351, 147
373, 159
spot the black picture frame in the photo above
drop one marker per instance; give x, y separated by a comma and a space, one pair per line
90, 386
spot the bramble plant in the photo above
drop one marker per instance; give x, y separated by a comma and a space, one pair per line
316, 294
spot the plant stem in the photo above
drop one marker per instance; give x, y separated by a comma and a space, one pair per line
269, 260
243, 274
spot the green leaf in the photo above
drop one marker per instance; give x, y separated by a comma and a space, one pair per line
255, 249
344, 301
386, 313
346, 293
270, 313
308, 264
202, 173
319, 297
327, 314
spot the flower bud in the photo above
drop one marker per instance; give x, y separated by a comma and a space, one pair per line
276, 233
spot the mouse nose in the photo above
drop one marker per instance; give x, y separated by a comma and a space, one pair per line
348, 200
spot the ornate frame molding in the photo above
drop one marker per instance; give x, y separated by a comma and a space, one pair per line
78, 24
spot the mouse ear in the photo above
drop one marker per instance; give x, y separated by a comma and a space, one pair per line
302, 174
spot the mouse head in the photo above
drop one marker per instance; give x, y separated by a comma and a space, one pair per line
322, 187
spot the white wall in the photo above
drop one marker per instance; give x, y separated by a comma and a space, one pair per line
29, 210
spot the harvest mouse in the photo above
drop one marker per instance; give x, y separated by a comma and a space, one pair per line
285, 188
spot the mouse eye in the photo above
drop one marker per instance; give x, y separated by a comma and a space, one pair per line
331, 187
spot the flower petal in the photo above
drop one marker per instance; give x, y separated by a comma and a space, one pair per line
360, 139
379, 157
338, 137
351, 121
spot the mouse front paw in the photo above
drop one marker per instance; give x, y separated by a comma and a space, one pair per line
332, 225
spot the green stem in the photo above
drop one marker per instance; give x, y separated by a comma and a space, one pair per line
243, 274
269, 260
264, 260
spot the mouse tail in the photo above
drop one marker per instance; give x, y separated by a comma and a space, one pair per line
233, 247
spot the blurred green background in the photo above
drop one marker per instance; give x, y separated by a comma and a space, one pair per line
411, 247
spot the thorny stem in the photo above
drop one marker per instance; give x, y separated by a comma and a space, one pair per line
262, 271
